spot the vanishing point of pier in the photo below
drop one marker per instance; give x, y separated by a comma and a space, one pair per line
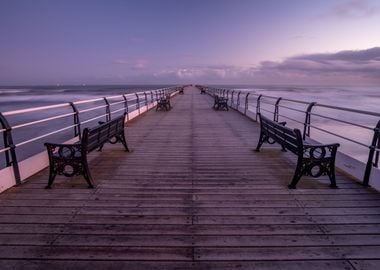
192, 194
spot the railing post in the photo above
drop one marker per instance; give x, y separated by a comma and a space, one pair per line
151, 96
372, 149
77, 128
232, 98
146, 99
376, 163
10, 155
224, 92
126, 109
258, 106
246, 104
137, 102
306, 125
275, 114
108, 110
238, 101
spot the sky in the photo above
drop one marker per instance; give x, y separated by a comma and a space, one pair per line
189, 41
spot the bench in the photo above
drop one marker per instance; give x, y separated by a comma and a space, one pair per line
163, 103
181, 92
312, 159
220, 103
71, 159
203, 91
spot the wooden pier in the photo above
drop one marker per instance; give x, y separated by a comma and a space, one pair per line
191, 195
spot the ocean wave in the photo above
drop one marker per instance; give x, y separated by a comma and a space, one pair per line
14, 91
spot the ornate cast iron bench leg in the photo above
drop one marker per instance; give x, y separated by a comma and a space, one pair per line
317, 160
67, 160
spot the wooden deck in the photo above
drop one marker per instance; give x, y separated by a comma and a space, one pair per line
192, 195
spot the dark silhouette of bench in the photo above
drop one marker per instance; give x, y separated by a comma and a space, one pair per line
220, 103
313, 159
164, 103
71, 159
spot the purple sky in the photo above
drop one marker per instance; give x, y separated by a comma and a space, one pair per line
189, 41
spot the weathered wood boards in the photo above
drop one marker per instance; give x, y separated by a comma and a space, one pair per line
191, 195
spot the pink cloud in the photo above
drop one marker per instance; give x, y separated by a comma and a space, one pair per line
135, 64
342, 67
356, 8
361, 66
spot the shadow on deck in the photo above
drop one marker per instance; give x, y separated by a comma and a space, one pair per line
192, 195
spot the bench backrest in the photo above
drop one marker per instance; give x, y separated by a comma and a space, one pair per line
218, 98
97, 136
291, 139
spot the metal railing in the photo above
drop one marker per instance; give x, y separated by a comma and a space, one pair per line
64, 121
287, 109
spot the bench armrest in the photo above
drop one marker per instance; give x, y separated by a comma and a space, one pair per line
320, 151
310, 145
62, 144
62, 150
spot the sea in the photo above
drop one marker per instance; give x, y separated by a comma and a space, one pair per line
357, 136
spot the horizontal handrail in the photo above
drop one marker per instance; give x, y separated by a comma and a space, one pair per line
348, 109
35, 109
265, 110
296, 101
290, 118
118, 110
341, 121
339, 136
42, 120
93, 108
44, 135
5, 149
94, 118
292, 109
118, 102
87, 101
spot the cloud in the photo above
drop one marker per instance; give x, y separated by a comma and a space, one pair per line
121, 61
355, 9
211, 73
135, 64
350, 67
346, 66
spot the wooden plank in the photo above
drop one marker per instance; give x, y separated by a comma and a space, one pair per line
173, 265
100, 253
365, 264
90, 219
287, 253
360, 228
236, 219
91, 264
